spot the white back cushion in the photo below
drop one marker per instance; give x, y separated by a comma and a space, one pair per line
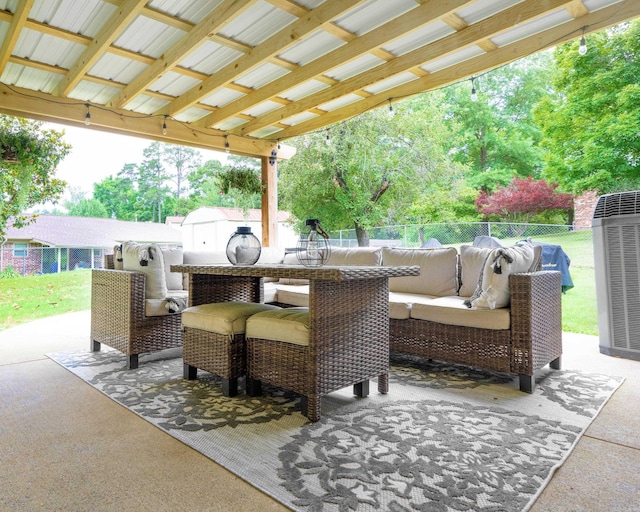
172, 256
367, 256
438, 270
271, 255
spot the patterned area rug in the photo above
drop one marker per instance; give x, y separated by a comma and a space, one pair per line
445, 438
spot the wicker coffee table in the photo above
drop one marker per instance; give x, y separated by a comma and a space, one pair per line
348, 316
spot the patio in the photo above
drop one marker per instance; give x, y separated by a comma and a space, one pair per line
70, 447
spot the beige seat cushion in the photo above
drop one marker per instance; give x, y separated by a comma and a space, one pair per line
400, 304
438, 270
146, 258
453, 311
290, 325
222, 317
291, 259
293, 294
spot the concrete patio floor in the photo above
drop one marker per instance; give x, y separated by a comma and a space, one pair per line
66, 446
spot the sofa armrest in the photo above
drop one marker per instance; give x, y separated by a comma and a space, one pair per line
117, 301
536, 320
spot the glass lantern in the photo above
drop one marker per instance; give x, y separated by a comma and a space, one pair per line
243, 247
313, 249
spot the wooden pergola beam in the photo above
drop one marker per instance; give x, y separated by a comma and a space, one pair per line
399, 27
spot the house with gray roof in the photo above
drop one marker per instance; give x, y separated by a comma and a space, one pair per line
56, 243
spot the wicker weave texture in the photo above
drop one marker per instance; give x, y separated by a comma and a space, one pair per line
211, 288
348, 343
118, 315
536, 320
221, 354
326, 273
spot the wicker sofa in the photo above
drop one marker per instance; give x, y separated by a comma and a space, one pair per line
517, 333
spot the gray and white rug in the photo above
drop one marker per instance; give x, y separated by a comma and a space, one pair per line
445, 438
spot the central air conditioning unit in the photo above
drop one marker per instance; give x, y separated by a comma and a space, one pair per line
616, 245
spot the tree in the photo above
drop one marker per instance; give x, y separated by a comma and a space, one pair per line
496, 136
30, 156
366, 171
181, 161
89, 208
522, 199
591, 123
118, 196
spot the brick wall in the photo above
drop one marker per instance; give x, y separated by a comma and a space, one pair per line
583, 207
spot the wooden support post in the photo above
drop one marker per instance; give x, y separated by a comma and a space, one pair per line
269, 201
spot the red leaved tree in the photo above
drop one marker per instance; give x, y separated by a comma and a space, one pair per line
522, 199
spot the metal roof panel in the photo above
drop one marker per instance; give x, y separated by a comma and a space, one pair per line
119, 69
310, 48
86, 17
221, 97
256, 25
261, 75
483, 9
304, 89
355, 67
383, 85
210, 57
93, 92
148, 37
453, 58
173, 84
347, 99
192, 11
418, 38
372, 14
533, 27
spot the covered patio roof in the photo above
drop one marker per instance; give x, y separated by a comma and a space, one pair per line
250, 73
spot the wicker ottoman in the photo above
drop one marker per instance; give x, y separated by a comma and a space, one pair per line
280, 352
213, 340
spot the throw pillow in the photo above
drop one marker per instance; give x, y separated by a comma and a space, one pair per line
117, 257
472, 260
146, 258
493, 292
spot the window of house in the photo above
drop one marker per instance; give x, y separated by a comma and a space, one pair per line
20, 250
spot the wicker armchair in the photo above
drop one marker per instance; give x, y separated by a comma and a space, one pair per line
118, 315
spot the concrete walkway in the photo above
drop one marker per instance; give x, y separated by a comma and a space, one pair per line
66, 446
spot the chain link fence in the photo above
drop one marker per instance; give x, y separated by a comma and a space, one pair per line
28, 259
577, 244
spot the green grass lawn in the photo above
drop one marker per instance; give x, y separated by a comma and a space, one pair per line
23, 299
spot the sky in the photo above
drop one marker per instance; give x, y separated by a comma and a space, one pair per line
95, 155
